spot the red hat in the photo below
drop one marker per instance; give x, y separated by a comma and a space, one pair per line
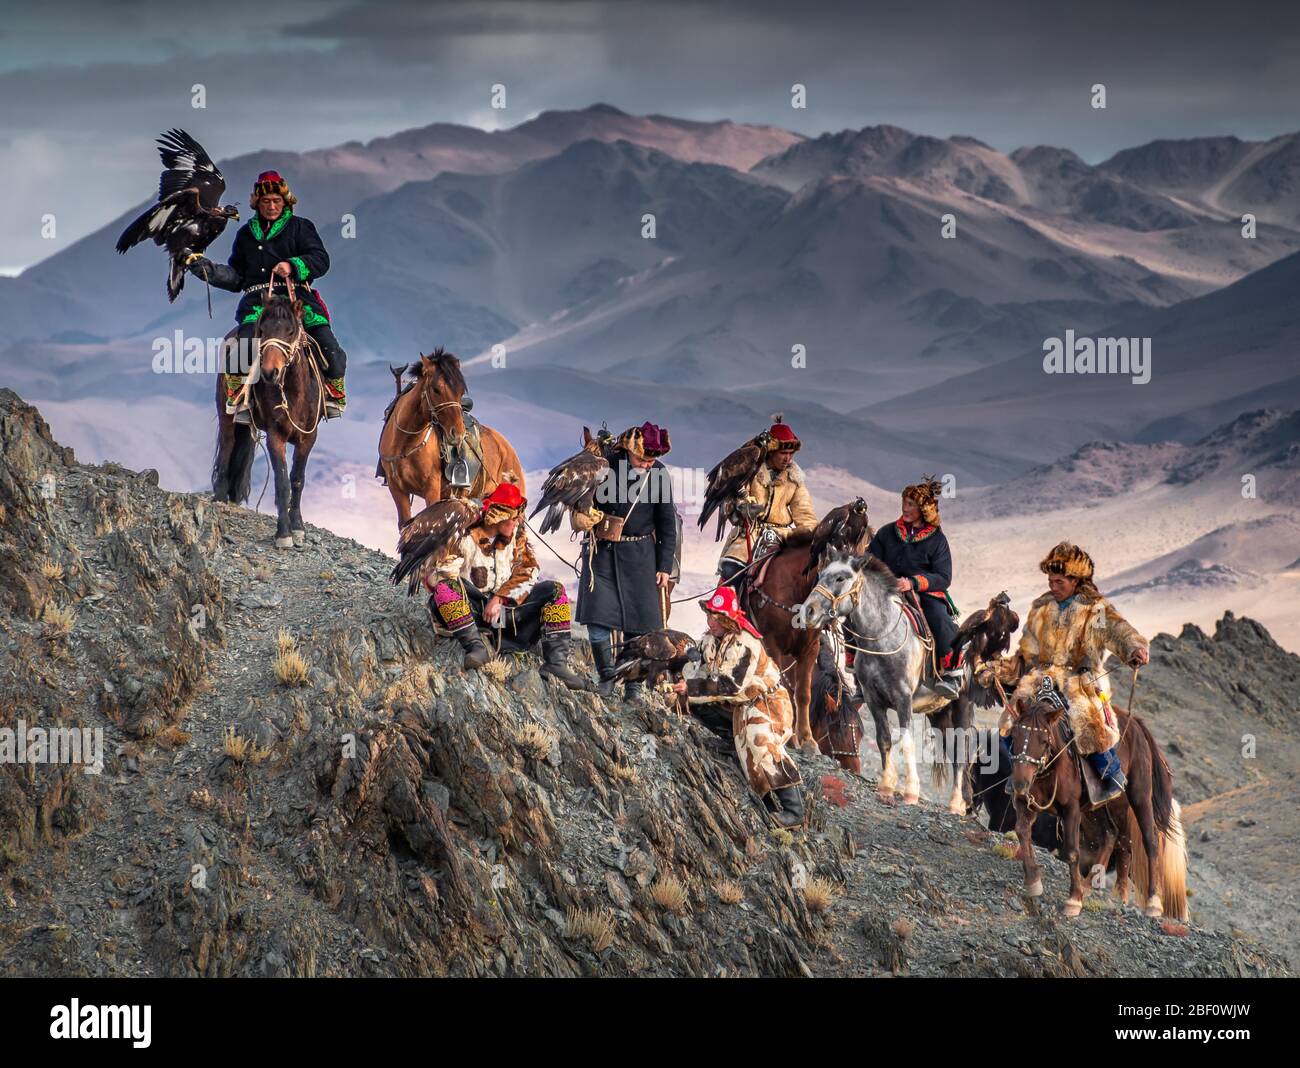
504, 502
723, 601
785, 439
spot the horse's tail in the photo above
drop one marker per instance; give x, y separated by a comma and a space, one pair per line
1171, 862
239, 465
1171, 865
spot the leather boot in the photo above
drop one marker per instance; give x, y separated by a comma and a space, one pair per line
791, 814
603, 656
1107, 767
471, 643
555, 662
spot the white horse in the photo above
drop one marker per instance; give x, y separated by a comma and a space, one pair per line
889, 666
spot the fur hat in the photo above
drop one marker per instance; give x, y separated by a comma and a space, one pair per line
647, 441
781, 437
1068, 560
504, 502
271, 182
925, 494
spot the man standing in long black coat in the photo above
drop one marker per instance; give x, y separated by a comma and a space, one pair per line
631, 542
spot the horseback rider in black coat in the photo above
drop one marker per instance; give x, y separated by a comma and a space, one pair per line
916, 550
277, 244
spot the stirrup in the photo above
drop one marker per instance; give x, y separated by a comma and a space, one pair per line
241, 415
334, 410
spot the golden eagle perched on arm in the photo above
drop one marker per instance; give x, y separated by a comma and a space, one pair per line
988, 631
430, 535
571, 484
648, 657
845, 528
189, 214
731, 477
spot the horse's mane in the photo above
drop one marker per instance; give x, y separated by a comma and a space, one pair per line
800, 539
447, 365
279, 311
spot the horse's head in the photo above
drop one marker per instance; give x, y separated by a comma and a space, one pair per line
1034, 740
442, 391
278, 332
834, 594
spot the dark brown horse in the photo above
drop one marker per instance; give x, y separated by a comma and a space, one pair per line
286, 401
422, 426
1046, 777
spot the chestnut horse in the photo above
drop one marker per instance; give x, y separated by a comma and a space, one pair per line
422, 427
783, 581
1046, 777
287, 402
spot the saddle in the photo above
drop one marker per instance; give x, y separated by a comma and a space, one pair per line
1091, 780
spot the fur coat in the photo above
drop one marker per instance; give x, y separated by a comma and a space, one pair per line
787, 507
1071, 646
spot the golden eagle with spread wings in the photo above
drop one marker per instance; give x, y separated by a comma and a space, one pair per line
648, 657
729, 479
845, 528
430, 534
189, 215
571, 484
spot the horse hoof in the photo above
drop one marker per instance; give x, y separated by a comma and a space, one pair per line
957, 808
299, 536
809, 748
1153, 908
284, 543
911, 798
885, 797
1034, 889
1072, 908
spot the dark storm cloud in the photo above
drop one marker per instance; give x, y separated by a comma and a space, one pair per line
95, 82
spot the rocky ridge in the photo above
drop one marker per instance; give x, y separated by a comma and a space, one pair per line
367, 808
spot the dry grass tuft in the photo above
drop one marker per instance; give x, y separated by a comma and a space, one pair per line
626, 773
729, 892
240, 749
290, 668
533, 740
284, 641
1006, 852
669, 892
903, 928
496, 669
593, 925
51, 569
819, 894
171, 737
1094, 904
59, 620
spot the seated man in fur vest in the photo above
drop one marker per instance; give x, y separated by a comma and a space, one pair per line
735, 673
489, 581
775, 504
1070, 631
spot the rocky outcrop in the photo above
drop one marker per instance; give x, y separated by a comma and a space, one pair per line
300, 780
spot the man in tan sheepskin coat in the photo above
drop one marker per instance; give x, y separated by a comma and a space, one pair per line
1070, 631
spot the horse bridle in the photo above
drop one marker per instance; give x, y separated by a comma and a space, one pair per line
1047, 693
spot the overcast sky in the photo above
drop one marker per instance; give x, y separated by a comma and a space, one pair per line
85, 87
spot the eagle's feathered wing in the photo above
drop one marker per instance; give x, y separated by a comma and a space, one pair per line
430, 535
728, 480
571, 484
188, 216
846, 528
988, 631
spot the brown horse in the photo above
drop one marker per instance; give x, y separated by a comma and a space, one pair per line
425, 426
780, 584
1046, 777
286, 401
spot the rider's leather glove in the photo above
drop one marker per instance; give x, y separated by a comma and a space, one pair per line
198, 265
750, 510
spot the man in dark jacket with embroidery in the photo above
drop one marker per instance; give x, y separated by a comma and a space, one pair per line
276, 245
631, 540
916, 550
